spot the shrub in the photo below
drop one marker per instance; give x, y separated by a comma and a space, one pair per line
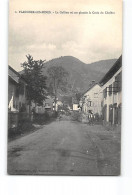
76, 116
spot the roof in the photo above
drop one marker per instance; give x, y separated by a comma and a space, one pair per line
14, 75
117, 65
93, 85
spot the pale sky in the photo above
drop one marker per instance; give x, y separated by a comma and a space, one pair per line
87, 37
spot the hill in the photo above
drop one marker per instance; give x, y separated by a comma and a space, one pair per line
82, 74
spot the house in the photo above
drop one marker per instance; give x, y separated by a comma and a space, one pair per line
112, 92
49, 104
91, 100
16, 91
46, 107
17, 101
76, 107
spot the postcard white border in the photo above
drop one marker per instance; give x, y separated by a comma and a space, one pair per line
56, 185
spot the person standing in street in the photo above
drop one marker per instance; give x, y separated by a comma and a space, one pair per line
92, 119
88, 119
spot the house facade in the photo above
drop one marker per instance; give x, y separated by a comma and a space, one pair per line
91, 100
17, 101
16, 91
112, 94
75, 107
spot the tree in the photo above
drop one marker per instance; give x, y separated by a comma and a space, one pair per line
36, 82
78, 96
58, 79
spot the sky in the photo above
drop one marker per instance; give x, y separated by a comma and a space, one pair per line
88, 37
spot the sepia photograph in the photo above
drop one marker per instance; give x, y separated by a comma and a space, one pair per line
65, 88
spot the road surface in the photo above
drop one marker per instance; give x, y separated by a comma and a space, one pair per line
66, 148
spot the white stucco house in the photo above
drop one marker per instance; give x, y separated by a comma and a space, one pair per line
91, 100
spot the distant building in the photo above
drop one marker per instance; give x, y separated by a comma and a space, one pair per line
91, 100
75, 107
112, 91
46, 107
48, 103
16, 91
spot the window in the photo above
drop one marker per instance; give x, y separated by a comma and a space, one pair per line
105, 92
110, 89
115, 87
118, 82
90, 103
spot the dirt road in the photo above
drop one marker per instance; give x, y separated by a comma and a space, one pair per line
66, 148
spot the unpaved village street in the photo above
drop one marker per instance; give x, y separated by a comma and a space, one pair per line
66, 148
